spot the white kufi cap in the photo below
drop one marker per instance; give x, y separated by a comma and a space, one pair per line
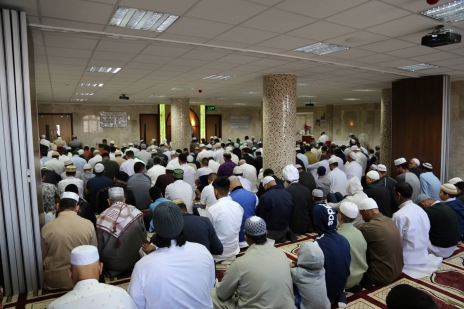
267, 180
84, 255
349, 209
290, 173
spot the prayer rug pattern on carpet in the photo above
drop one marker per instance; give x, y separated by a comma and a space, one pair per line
446, 286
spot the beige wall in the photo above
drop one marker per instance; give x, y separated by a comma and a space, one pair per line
94, 134
456, 159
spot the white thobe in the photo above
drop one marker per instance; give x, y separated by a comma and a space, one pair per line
155, 171
202, 171
167, 153
207, 196
234, 158
174, 162
90, 293
189, 174
204, 154
324, 138
174, 277
312, 168
226, 217
214, 166
97, 158
249, 172
353, 169
71, 180
128, 167
341, 165
144, 155
219, 155
246, 184
63, 158
55, 165
363, 161
181, 189
337, 181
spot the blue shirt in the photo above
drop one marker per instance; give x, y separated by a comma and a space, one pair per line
152, 209
430, 185
94, 185
247, 200
79, 163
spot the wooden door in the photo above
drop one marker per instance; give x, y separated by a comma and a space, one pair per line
149, 127
53, 125
213, 126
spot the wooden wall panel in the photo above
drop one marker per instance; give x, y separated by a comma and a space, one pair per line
417, 105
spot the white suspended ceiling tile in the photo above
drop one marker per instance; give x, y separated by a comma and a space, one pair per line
238, 59
139, 65
33, 20
248, 68
62, 60
397, 63
220, 65
265, 49
269, 63
266, 2
106, 63
165, 51
66, 52
413, 6
351, 54
196, 27
182, 38
152, 59
378, 58
246, 35
231, 12
219, 43
177, 7
412, 51
321, 31
104, 1
64, 23
317, 8
175, 68
449, 63
387, 45
69, 42
368, 14
459, 52
278, 21
120, 46
64, 67
90, 12
104, 55
357, 38
436, 57
286, 42
188, 62
405, 25
203, 55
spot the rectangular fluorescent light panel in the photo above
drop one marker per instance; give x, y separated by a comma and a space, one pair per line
321, 48
362, 90
83, 93
153, 96
78, 100
451, 12
239, 103
417, 67
220, 77
142, 19
351, 99
305, 84
250, 92
215, 99
103, 70
181, 89
91, 85
307, 96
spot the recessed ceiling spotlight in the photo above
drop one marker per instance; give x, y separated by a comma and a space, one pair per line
240, 104
142, 19
417, 67
103, 69
321, 48
305, 84
220, 77
451, 12
181, 89
90, 85
351, 99
307, 96
84, 93
250, 92
363, 90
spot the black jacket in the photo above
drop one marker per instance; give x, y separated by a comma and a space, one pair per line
307, 180
390, 184
275, 207
381, 195
301, 197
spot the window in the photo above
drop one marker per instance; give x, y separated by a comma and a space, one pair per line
91, 124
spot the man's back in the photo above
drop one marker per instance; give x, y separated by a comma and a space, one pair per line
311, 157
430, 185
337, 181
200, 230
323, 183
275, 207
412, 179
384, 251
94, 185
444, 225
140, 184
155, 171
381, 195
181, 189
174, 277
58, 238
111, 168
266, 286
301, 197
247, 201
163, 181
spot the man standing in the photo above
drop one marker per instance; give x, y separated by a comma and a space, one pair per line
302, 157
226, 168
140, 184
379, 193
323, 138
71, 179
208, 197
167, 277
337, 178
226, 216
85, 271
310, 155
128, 166
247, 286
390, 183
55, 164
444, 226
75, 144
218, 153
111, 167
448, 194
180, 189
189, 172
118, 157
95, 184
96, 158
300, 221
306, 179
275, 207
414, 164
358, 246
248, 201
156, 170
361, 158
59, 237
353, 168
120, 181
143, 154
429, 183
404, 175
78, 162
249, 173
165, 180
414, 226
120, 234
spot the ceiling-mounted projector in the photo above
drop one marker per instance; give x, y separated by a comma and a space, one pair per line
441, 36
123, 97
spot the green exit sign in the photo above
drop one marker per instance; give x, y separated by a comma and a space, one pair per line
210, 108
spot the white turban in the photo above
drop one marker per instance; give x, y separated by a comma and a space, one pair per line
291, 173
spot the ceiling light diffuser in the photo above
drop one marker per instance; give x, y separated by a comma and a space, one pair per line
181, 89
250, 92
90, 85
321, 48
103, 70
84, 93
142, 19
220, 77
417, 67
305, 84
307, 96
215, 99
239, 103
362, 90
78, 100
451, 12
351, 99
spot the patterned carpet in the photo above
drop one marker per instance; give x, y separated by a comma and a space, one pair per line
446, 286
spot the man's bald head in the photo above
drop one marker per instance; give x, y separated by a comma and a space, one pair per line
235, 183
241, 162
91, 271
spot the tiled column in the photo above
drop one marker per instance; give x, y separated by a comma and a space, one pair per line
279, 121
329, 113
386, 128
180, 123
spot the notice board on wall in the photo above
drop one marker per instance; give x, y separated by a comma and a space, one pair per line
113, 119
239, 122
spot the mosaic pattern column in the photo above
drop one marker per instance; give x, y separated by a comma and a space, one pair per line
386, 128
279, 121
180, 123
329, 113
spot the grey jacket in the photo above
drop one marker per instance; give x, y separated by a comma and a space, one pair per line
309, 277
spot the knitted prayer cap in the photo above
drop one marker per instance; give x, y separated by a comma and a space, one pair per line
115, 192
178, 173
255, 226
168, 220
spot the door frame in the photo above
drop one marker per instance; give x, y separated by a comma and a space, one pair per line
157, 125
220, 124
53, 114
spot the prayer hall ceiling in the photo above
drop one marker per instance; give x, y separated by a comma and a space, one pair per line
243, 39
